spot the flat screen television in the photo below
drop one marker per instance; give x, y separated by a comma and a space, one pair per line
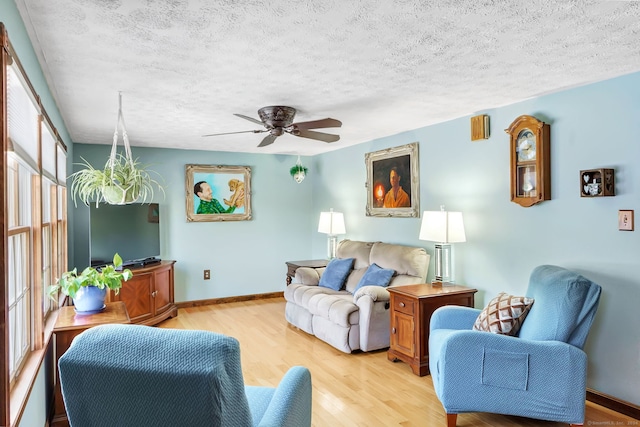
132, 231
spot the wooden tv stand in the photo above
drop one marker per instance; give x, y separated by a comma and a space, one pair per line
148, 295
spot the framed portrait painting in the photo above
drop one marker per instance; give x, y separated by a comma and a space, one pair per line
393, 182
218, 193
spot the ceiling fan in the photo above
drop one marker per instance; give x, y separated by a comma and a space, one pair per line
278, 119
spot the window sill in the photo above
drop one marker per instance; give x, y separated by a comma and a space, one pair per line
19, 395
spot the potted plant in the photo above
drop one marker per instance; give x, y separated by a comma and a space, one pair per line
298, 172
89, 288
121, 181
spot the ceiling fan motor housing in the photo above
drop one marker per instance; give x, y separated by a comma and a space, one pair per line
277, 116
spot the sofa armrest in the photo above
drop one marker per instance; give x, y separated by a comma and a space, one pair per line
376, 293
453, 317
373, 308
308, 275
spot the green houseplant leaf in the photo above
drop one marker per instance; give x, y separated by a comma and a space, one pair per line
109, 277
121, 181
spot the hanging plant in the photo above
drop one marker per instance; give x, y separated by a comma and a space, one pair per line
123, 180
298, 172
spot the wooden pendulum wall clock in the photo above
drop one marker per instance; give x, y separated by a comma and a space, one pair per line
530, 171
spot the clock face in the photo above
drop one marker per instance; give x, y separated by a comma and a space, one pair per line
526, 146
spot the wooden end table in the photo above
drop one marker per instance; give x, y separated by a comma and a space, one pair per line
292, 266
67, 327
411, 310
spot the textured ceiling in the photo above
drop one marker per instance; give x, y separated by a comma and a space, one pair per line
380, 66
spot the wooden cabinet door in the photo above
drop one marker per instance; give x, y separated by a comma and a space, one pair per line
402, 336
136, 295
163, 293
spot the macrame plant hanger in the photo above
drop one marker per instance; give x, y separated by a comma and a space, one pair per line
120, 195
298, 172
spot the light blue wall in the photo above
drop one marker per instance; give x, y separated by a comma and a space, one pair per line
245, 257
594, 126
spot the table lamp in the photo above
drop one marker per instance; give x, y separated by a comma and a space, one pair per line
443, 228
331, 223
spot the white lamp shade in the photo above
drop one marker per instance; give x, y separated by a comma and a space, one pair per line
442, 226
331, 223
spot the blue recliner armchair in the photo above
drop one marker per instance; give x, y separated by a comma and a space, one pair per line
540, 374
130, 375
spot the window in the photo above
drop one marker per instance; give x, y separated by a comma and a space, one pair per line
19, 262
35, 230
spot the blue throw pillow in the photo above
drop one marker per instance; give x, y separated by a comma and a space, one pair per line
375, 276
336, 273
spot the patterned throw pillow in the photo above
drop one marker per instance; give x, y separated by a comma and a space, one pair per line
504, 314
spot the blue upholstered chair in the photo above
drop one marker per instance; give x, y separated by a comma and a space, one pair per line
130, 375
539, 374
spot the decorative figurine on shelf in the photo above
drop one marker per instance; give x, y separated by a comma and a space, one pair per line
298, 172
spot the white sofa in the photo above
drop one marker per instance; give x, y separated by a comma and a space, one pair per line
346, 321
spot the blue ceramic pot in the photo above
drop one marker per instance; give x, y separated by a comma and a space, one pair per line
89, 299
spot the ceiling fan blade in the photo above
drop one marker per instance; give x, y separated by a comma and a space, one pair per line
320, 136
251, 119
268, 140
231, 133
317, 124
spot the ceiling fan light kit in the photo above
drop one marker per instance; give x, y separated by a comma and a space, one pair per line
278, 120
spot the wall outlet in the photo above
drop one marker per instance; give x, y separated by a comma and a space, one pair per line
207, 274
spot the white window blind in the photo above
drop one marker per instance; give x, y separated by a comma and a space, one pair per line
48, 150
62, 166
22, 117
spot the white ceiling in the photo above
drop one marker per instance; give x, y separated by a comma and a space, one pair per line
380, 66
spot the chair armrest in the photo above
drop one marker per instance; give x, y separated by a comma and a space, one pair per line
308, 275
291, 401
376, 293
453, 317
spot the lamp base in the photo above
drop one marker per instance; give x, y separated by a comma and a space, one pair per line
332, 245
440, 283
443, 262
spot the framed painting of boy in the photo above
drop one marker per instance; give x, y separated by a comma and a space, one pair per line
218, 193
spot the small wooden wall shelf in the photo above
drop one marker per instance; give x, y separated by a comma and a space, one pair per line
597, 183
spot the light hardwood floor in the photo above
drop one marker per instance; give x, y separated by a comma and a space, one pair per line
359, 389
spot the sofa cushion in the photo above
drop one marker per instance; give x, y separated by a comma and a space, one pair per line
336, 272
405, 260
308, 275
354, 278
504, 314
337, 307
375, 276
300, 294
359, 251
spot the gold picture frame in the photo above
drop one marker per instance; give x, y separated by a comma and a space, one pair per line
396, 163
218, 193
